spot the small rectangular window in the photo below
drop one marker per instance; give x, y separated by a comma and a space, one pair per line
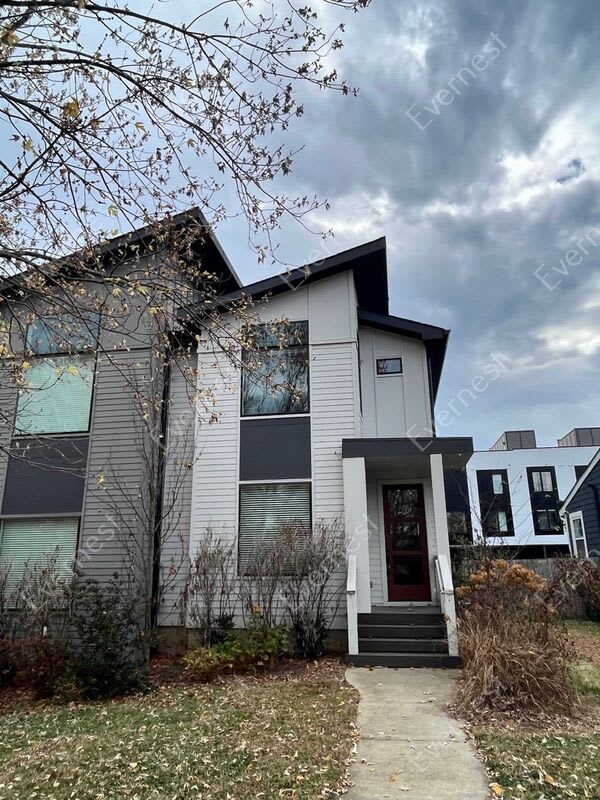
497, 484
57, 395
265, 510
542, 482
30, 542
389, 366
502, 522
579, 544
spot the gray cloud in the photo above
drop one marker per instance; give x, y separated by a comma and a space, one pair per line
505, 178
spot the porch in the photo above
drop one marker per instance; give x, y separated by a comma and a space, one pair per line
400, 597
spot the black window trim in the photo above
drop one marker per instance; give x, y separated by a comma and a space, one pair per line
387, 374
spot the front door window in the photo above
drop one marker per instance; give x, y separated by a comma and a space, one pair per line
406, 543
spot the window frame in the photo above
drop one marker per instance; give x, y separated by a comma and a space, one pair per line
267, 348
385, 374
18, 434
498, 475
44, 517
577, 516
87, 349
242, 571
543, 499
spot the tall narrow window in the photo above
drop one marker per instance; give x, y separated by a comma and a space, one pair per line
497, 484
543, 496
265, 510
578, 531
275, 370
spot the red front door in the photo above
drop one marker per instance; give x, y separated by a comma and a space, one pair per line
406, 542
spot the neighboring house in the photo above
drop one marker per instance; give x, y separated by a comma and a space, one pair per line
580, 511
346, 437
516, 489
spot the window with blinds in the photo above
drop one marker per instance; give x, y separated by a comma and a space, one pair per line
264, 510
57, 396
30, 542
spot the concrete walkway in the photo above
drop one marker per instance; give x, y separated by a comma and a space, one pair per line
409, 746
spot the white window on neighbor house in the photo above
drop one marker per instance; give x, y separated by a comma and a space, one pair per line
265, 510
578, 542
497, 484
542, 481
29, 543
502, 522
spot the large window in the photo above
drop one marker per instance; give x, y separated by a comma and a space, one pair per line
495, 503
543, 495
275, 370
32, 541
265, 509
57, 395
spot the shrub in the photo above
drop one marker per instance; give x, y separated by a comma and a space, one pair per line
110, 657
516, 652
252, 648
575, 578
311, 589
208, 595
9, 661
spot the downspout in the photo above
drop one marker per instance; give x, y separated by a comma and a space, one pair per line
160, 488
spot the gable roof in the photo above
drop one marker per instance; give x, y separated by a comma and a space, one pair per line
368, 262
122, 247
579, 483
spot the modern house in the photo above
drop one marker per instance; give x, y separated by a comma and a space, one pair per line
580, 511
515, 490
346, 436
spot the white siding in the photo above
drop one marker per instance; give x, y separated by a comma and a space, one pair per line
563, 459
394, 405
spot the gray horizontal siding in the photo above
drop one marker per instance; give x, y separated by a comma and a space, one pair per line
585, 502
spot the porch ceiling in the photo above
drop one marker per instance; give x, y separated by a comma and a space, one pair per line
455, 451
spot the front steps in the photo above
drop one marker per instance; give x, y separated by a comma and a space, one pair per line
400, 636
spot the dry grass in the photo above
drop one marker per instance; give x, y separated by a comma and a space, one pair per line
288, 735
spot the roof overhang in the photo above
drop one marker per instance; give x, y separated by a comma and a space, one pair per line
580, 483
455, 451
368, 263
435, 339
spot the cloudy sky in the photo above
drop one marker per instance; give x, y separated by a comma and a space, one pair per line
485, 181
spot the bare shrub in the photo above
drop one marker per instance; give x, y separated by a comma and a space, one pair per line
209, 592
575, 579
310, 590
516, 652
261, 581
34, 624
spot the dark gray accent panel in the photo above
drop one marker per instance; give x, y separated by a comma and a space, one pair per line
395, 448
45, 476
275, 449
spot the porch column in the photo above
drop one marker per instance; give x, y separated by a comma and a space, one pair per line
439, 505
357, 527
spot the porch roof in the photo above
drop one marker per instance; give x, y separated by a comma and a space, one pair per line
455, 450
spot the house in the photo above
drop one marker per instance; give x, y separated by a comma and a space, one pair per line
580, 511
515, 490
346, 436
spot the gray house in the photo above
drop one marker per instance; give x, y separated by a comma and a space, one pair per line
580, 511
347, 437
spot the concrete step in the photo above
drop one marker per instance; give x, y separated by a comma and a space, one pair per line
401, 660
402, 646
390, 631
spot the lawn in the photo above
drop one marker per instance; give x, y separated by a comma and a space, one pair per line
276, 737
564, 761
